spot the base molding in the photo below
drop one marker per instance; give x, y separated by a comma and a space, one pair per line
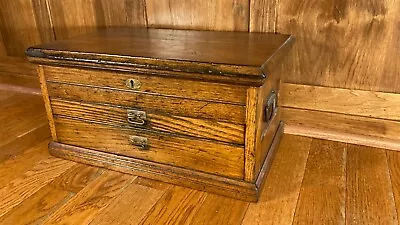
170, 174
352, 116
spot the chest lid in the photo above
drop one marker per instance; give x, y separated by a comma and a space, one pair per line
224, 56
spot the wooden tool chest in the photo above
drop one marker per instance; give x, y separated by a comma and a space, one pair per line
192, 108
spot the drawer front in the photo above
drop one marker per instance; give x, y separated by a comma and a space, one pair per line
206, 156
149, 84
152, 103
131, 118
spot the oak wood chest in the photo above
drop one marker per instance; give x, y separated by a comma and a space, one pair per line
192, 108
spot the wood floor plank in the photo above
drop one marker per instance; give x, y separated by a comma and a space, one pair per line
220, 210
15, 167
28, 123
84, 206
23, 187
76, 178
394, 169
132, 205
278, 199
369, 190
177, 206
52, 196
20, 144
33, 209
323, 191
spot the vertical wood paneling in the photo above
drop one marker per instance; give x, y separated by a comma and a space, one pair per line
125, 13
3, 51
74, 17
340, 43
199, 15
23, 23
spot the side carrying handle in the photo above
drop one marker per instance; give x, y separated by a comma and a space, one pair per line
271, 107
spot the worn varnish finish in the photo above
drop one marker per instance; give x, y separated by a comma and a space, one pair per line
44, 189
202, 155
116, 116
199, 104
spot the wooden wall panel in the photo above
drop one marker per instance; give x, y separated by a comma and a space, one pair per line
24, 23
3, 51
74, 17
340, 43
202, 15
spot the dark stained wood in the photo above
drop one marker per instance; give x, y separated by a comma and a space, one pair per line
219, 78
3, 50
239, 53
117, 116
150, 103
201, 181
199, 15
201, 155
323, 190
149, 84
265, 131
368, 180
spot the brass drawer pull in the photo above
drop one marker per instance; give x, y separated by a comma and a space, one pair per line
272, 106
136, 117
133, 84
140, 142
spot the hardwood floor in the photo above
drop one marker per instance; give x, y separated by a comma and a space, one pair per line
312, 181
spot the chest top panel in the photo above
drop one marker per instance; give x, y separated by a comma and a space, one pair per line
205, 52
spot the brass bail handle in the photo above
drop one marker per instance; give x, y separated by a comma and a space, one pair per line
271, 107
141, 142
136, 117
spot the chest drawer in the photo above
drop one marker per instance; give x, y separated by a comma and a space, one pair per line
145, 83
119, 116
168, 105
200, 155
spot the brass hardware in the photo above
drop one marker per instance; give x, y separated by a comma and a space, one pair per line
140, 142
272, 106
136, 117
133, 84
